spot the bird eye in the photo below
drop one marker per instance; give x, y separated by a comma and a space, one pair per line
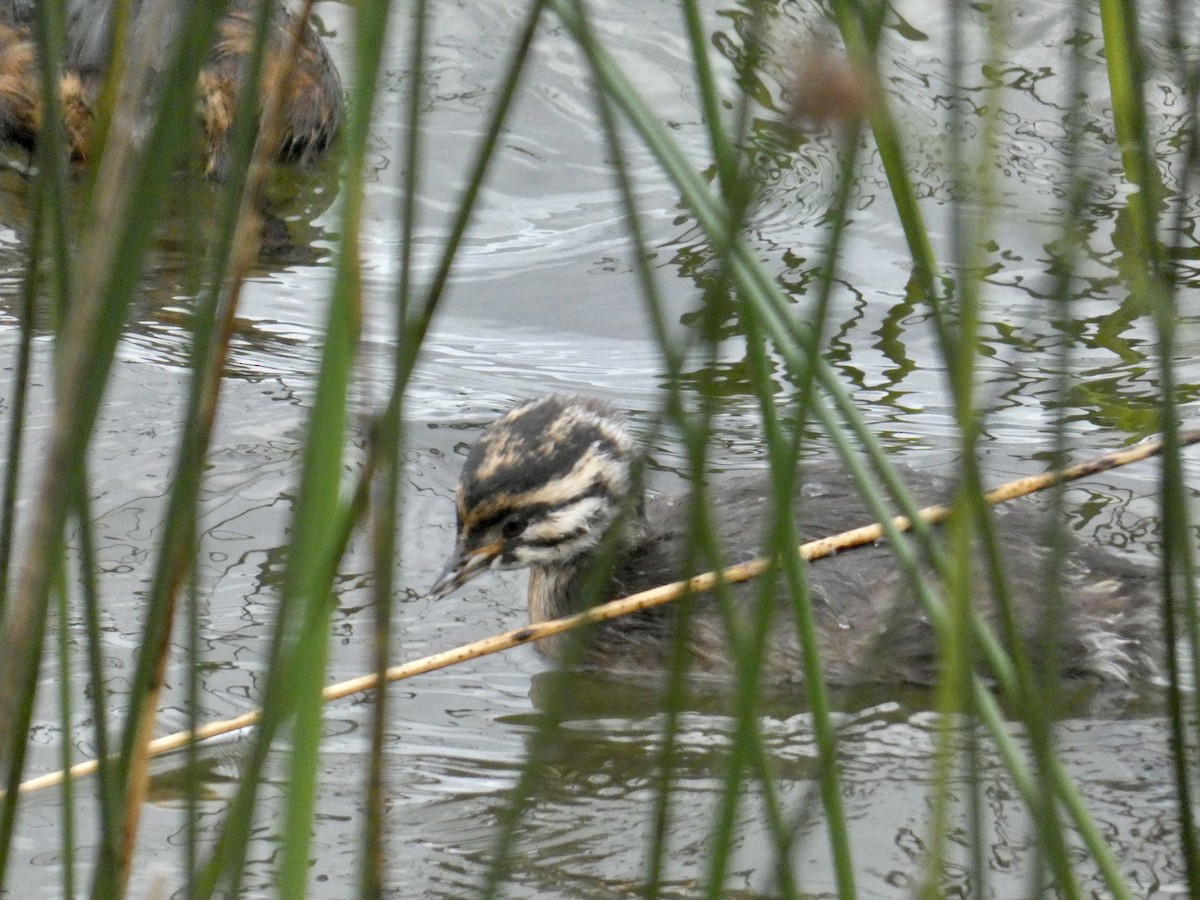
512, 527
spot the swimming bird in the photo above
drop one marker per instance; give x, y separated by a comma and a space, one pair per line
312, 103
547, 480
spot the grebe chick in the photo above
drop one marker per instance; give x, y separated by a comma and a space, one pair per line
312, 95
547, 480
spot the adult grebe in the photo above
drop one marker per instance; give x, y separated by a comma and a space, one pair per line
312, 104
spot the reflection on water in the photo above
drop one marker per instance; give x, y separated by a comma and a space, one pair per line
544, 297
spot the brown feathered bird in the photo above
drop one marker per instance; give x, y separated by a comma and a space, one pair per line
312, 93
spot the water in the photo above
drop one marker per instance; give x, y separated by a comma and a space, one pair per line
543, 297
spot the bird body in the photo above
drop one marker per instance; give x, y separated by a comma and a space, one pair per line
546, 481
311, 95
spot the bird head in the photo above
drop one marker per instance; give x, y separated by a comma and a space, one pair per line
541, 487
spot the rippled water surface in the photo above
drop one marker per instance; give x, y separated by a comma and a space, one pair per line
543, 297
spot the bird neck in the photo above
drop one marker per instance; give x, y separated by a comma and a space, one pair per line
559, 589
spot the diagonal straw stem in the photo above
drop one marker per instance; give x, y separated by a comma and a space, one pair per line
810, 551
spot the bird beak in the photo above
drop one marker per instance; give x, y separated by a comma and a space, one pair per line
463, 566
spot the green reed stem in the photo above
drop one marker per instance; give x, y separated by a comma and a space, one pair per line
19, 398
1125, 78
958, 335
65, 718
1046, 705
109, 801
176, 549
1152, 283
781, 534
27, 616
416, 323
315, 549
784, 464
674, 355
1180, 601
1189, 166
724, 152
388, 438
738, 191
859, 35
48, 249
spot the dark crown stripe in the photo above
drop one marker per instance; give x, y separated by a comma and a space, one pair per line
499, 508
515, 464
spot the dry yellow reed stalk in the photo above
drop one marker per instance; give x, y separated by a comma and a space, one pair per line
655, 597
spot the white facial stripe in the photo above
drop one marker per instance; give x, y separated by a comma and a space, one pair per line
593, 467
580, 516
